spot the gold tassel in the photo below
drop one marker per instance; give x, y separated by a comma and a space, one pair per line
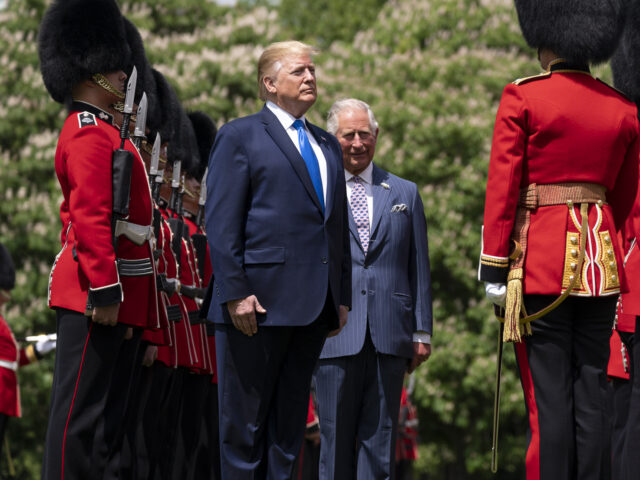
513, 306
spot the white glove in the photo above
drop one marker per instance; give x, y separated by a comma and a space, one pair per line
496, 292
45, 344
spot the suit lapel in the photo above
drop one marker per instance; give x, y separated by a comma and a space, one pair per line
381, 198
277, 133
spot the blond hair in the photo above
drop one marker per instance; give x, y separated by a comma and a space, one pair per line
270, 61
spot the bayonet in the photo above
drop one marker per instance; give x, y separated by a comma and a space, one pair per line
131, 92
175, 178
202, 199
155, 157
128, 106
141, 121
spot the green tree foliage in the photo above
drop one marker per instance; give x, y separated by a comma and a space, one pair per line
433, 72
329, 20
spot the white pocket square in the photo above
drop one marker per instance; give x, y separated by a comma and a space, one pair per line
401, 207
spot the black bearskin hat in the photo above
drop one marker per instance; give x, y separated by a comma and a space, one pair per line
7, 270
580, 31
77, 39
205, 131
164, 108
146, 81
625, 63
183, 145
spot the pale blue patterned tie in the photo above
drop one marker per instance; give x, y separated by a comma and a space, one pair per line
310, 160
360, 211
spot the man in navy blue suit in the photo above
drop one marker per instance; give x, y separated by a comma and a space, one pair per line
278, 231
360, 373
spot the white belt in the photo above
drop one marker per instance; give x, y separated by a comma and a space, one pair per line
9, 365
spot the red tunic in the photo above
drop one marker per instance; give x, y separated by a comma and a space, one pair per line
561, 127
10, 359
87, 260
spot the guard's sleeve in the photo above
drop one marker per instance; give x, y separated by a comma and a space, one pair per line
88, 165
625, 190
420, 269
225, 212
503, 184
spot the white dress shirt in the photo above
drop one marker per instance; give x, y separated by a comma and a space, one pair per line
286, 119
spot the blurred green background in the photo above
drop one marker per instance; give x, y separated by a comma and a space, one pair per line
433, 72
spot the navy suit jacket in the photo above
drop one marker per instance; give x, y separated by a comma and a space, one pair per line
266, 231
391, 286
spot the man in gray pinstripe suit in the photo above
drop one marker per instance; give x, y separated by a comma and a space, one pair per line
360, 373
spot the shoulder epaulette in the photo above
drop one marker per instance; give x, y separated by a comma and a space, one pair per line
86, 118
540, 76
615, 89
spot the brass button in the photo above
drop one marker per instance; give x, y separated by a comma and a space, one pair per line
574, 266
613, 278
574, 240
607, 239
599, 203
571, 278
574, 252
610, 252
612, 264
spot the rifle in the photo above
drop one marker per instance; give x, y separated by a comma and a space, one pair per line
122, 164
175, 205
199, 239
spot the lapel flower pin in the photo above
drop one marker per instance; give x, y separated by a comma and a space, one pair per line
385, 186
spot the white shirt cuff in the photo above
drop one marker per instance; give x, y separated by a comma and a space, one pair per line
421, 337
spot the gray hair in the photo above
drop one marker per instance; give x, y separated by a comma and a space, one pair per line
349, 104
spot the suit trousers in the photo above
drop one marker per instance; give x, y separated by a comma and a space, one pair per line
562, 368
83, 427
358, 409
630, 457
263, 393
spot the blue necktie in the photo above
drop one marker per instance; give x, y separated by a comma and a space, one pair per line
310, 160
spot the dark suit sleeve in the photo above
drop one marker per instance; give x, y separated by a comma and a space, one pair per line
345, 283
420, 269
226, 211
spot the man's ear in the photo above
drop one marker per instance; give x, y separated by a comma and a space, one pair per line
269, 84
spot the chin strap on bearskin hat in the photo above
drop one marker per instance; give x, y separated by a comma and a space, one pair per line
79, 39
581, 31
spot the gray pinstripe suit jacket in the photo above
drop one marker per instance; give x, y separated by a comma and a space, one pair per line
391, 286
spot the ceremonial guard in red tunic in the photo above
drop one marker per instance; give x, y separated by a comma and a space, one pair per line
626, 428
563, 176
11, 355
102, 284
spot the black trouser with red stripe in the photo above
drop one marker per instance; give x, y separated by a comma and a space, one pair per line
82, 430
563, 368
